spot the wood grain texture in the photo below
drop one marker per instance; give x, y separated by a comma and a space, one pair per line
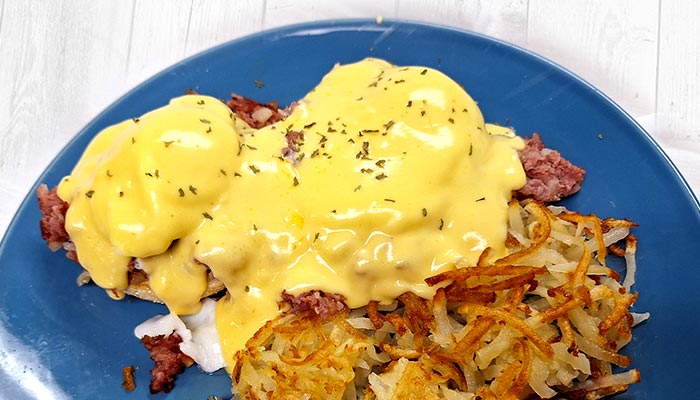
503, 19
612, 45
64, 61
58, 72
284, 12
677, 105
155, 46
677, 120
216, 22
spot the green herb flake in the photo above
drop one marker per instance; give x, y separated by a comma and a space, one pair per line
309, 126
442, 224
295, 181
168, 143
389, 124
193, 189
223, 172
121, 194
451, 120
390, 200
409, 104
423, 72
136, 120
380, 176
380, 163
109, 174
254, 168
89, 194
481, 199
259, 84
204, 121
207, 216
424, 212
181, 192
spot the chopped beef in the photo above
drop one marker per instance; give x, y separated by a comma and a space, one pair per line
255, 114
53, 220
169, 360
294, 140
128, 382
325, 305
550, 177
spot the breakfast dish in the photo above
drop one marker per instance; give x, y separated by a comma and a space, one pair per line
311, 237
337, 203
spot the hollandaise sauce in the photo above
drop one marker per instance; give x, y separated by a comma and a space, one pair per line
380, 177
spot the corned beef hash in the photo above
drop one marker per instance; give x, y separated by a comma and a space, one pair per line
376, 239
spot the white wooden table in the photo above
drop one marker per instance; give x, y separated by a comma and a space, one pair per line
62, 62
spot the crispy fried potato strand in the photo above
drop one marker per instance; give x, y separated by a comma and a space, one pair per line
511, 320
514, 377
550, 317
597, 227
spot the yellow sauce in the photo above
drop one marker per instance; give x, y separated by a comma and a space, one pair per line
400, 179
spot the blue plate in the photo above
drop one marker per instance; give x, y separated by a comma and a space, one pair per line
67, 341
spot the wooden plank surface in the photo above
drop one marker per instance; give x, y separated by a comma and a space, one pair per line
65, 61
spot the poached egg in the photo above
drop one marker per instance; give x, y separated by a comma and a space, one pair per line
392, 176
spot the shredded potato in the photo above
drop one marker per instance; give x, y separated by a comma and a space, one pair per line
548, 319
